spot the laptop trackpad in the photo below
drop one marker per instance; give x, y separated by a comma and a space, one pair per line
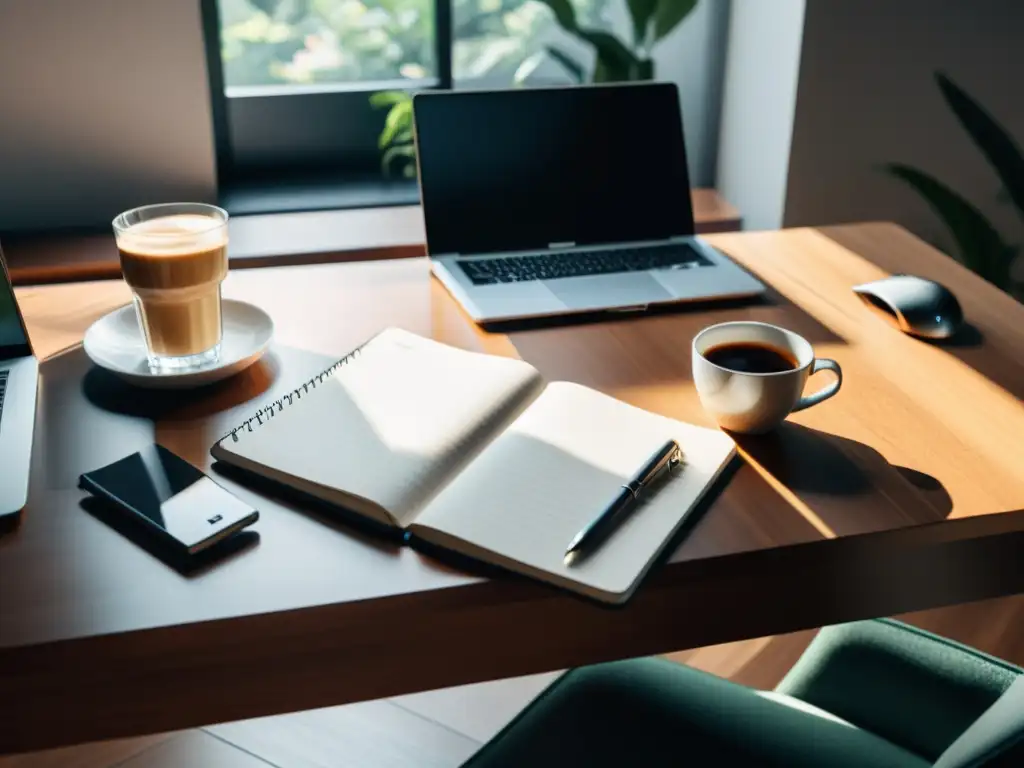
603, 291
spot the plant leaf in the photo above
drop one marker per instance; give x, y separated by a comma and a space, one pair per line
981, 248
297, 11
388, 98
615, 62
565, 14
669, 13
640, 11
993, 141
527, 67
399, 151
269, 7
570, 64
399, 119
606, 71
602, 74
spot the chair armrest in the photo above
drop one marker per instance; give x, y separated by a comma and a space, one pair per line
913, 688
995, 739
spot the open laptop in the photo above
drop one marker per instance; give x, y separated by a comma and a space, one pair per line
553, 201
19, 374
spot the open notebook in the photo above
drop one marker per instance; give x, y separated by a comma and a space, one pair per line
474, 453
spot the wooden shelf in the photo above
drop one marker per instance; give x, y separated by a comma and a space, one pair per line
313, 237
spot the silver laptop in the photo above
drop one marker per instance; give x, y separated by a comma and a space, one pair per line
552, 201
19, 374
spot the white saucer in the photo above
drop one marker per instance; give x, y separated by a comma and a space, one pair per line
115, 342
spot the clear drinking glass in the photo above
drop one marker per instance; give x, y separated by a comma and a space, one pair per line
174, 257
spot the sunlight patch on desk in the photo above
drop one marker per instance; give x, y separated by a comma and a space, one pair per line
794, 501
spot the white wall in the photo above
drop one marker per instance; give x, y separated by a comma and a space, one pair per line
867, 97
760, 90
104, 105
693, 57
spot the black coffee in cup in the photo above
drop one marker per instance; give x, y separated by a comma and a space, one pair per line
751, 357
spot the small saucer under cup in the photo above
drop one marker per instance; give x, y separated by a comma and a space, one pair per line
115, 343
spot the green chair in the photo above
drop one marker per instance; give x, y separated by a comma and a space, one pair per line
867, 694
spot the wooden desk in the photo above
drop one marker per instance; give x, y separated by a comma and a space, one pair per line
882, 500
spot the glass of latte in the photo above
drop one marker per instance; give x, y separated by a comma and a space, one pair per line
174, 257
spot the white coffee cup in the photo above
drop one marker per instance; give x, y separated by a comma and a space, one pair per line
741, 401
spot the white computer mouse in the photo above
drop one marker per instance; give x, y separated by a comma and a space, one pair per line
917, 306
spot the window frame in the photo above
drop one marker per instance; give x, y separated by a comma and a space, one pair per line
326, 129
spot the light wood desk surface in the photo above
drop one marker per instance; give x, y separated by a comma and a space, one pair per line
906, 491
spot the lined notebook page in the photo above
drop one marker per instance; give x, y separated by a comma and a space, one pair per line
553, 470
395, 423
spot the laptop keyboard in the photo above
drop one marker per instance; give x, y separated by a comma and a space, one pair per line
549, 266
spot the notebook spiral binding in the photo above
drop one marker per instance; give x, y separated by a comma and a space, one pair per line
269, 410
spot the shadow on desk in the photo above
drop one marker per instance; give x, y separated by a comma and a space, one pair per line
611, 315
647, 350
770, 307
848, 485
88, 417
9, 523
968, 337
993, 357
987, 343
367, 531
108, 392
183, 563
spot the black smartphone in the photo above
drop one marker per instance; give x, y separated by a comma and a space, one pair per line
171, 498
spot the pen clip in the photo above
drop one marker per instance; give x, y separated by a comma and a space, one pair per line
676, 459
658, 465
633, 486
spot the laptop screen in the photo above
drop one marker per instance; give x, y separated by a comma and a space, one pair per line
13, 341
522, 169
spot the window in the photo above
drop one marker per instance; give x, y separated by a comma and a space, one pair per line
494, 40
326, 42
292, 78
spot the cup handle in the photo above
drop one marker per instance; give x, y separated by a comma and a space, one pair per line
821, 364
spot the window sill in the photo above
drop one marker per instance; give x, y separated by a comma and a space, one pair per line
285, 238
316, 193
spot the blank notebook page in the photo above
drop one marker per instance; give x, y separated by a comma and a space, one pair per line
556, 468
395, 421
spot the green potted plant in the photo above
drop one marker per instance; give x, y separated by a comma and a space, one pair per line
614, 61
398, 155
979, 245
